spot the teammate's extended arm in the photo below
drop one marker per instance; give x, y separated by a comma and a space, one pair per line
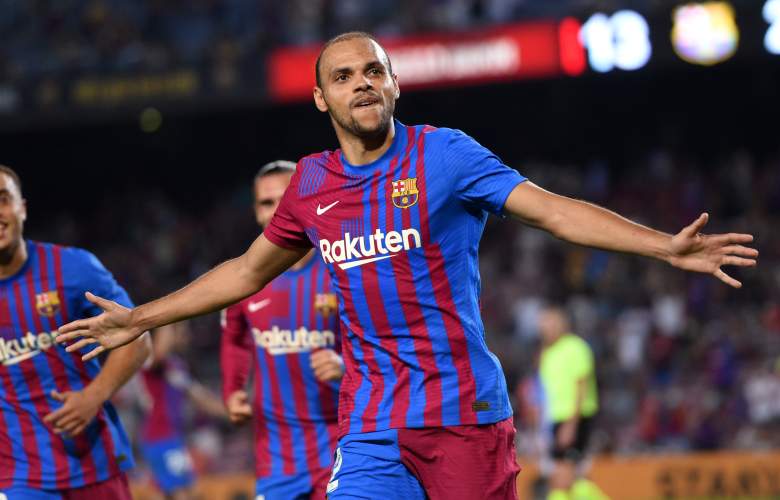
80, 407
225, 284
587, 224
206, 401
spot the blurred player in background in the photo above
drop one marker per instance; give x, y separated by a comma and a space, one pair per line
60, 438
169, 388
397, 214
569, 381
289, 333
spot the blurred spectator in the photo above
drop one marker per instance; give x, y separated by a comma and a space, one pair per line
43, 39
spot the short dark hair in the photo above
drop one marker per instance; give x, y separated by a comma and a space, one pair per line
350, 35
13, 175
275, 167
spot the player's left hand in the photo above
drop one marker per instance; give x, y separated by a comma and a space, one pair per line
327, 365
111, 329
706, 253
77, 411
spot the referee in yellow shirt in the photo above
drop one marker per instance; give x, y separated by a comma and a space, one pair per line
569, 382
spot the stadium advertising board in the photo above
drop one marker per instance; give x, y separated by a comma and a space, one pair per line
112, 91
714, 476
718, 475
526, 50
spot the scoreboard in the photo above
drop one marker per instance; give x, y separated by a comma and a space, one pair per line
597, 42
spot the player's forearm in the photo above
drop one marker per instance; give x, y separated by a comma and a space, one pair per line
226, 284
593, 226
584, 223
235, 363
120, 365
578, 400
206, 401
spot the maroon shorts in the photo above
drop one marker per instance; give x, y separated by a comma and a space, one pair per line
465, 461
115, 488
441, 463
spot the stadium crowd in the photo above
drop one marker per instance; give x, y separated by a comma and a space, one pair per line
683, 362
40, 39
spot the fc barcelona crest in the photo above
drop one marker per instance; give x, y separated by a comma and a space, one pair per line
326, 303
47, 303
405, 192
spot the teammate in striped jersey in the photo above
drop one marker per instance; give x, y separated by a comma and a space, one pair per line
60, 438
168, 387
397, 214
289, 332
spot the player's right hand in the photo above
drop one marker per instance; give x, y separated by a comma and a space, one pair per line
238, 407
111, 329
327, 365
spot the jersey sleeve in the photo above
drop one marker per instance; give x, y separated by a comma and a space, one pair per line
95, 278
285, 228
236, 350
481, 180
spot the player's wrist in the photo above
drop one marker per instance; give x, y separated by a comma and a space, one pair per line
140, 322
662, 248
97, 391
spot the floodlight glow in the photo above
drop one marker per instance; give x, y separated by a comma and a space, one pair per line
705, 33
772, 16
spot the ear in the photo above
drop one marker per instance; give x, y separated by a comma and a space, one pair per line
397, 88
319, 100
24, 210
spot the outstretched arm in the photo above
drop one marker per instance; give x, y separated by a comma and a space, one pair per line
587, 224
225, 284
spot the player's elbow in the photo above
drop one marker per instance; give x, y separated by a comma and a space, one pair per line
555, 223
565, 218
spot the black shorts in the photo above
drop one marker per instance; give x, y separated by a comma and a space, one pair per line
576, 450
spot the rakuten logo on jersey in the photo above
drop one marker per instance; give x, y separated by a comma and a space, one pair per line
278, 341
352, 252
17, 350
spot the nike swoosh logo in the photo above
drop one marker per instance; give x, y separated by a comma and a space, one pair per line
322, 210
256, 306
355, 263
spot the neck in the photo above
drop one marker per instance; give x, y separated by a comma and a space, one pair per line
553, 340
12, 259
304, 260
364, 150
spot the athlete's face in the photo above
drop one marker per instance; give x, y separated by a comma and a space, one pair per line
269, 190
357, 88
13, 213
552, 324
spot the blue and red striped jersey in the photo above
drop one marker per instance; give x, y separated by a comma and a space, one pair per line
167, 383
296, 416
400, 238
47, 292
